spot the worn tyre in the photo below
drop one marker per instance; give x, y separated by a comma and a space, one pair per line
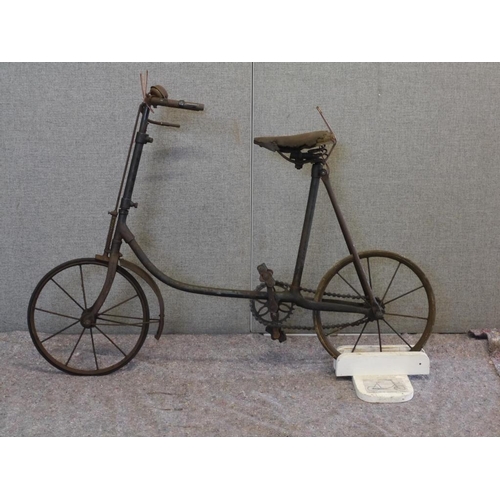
55, 318
400, 286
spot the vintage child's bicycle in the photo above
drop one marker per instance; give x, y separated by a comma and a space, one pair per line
91, 316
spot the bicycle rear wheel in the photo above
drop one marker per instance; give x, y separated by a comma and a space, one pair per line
401, 288
55, 318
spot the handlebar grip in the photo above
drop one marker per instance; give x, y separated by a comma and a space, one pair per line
171, 103
192, 106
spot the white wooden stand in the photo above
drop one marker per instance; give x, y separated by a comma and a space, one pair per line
381, 377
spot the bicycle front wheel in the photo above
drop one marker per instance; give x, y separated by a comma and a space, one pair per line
55, 318
400, 287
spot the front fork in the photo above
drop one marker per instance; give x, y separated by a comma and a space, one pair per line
90, 315
115, 236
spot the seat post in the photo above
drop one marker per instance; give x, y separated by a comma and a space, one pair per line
306, 228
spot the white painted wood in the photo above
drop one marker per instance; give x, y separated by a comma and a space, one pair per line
369, 361
383, 389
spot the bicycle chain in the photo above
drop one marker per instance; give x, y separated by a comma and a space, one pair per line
307, 328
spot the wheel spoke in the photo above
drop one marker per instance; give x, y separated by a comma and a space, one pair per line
398, 334
369, 272
359, 338
112, 322
119, 316
74, 348
60, 331
337, 330
56, 314
392, 279
355, 291
379, 335
404, 294
56, 283
406, 316
117, 305
83, 287
93, 348
102, 333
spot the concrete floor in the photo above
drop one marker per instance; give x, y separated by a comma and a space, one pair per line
243, 385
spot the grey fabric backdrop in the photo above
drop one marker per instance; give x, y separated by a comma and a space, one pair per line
415, 170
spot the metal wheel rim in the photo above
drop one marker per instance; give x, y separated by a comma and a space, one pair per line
38, 342
325, 281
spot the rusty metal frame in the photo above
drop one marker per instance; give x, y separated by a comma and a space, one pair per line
119, 232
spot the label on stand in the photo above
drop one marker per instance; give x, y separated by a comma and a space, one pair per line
383, 389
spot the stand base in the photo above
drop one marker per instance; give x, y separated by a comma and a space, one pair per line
381, 377
379, 389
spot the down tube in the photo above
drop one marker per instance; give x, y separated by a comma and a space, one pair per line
185, 287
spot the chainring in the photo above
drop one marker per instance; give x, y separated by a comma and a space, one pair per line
260, 308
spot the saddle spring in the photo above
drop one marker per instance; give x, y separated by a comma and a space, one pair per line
299, 158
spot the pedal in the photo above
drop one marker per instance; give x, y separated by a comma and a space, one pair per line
266, 275
276, 333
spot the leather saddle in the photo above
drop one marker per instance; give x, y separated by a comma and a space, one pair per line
296, 143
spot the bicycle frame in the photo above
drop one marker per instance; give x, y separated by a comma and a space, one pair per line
99, 337
120, 232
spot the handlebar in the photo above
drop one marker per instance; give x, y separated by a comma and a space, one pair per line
171, 103
158, 96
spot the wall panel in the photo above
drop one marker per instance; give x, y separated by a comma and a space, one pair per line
415, 171
65, 134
